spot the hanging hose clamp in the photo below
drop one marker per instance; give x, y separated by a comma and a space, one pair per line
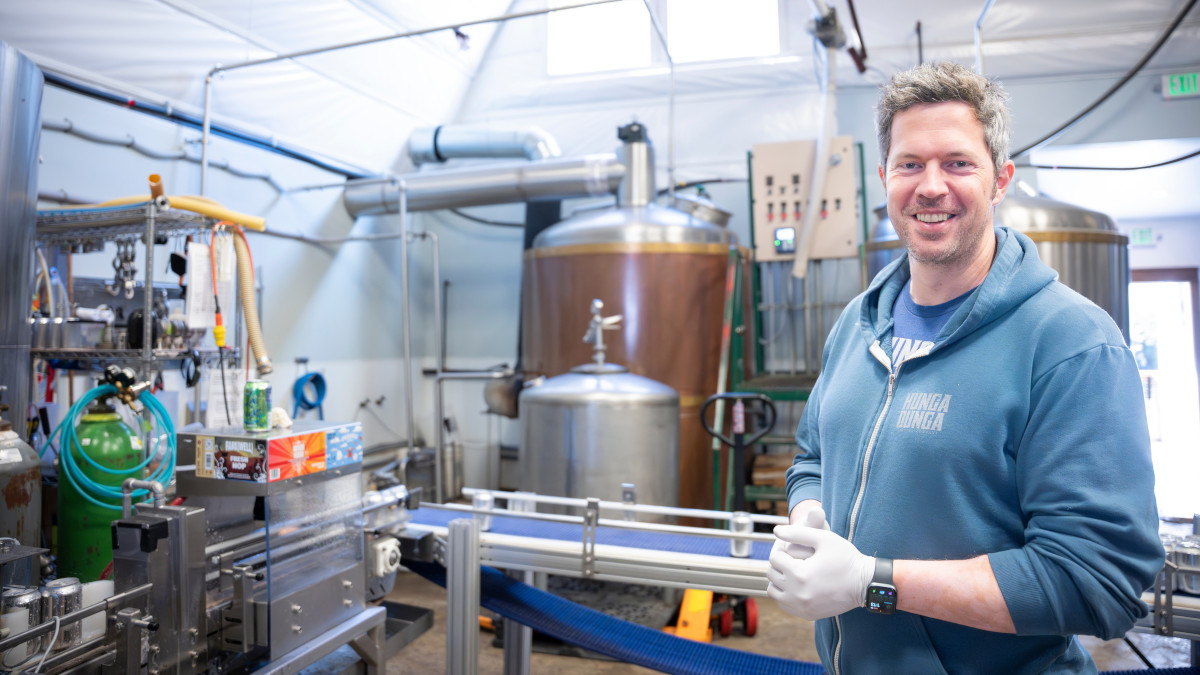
590, 519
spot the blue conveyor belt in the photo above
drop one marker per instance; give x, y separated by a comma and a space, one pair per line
628, 642
655, 541
619, 639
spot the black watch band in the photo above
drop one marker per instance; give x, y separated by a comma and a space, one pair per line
881, 592
883, 571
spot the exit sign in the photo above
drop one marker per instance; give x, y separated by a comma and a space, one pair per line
1180, 85
1141, 236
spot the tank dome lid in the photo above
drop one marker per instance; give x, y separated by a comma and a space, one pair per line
1029, 214
614, 385
1026, 214
633, 225
699, 206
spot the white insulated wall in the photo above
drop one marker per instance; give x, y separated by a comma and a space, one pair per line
341, 305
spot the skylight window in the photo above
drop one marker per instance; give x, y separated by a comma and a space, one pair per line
713, 30
613, 36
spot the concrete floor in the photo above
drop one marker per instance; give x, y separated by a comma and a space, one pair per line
779, 634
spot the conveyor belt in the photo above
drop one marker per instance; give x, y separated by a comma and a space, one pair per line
628, 642
655, 541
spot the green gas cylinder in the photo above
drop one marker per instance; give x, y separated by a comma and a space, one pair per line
85, 529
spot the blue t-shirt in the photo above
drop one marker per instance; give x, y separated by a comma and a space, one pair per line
915, 325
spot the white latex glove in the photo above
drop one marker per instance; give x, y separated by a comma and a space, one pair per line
831, 581
809, 514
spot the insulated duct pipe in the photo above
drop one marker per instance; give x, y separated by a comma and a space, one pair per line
588, 176
437, 144
20, 112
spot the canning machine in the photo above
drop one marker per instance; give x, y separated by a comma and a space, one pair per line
266, 558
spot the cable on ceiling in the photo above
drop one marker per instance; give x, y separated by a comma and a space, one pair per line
1190, 155
1113, 89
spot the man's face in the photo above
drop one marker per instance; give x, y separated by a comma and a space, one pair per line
941, 184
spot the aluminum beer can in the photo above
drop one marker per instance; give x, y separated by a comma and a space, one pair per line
256, 406
59, 598
25, 603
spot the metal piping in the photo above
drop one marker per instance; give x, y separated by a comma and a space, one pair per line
308, 52
402, 453
413, 33
132, 484
206, 130
987, 7
589, 176
637, 189
438, 403
20, 111
662, 38
437, 144
439, 354
649, 509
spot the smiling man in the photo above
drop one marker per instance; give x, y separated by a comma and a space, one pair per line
973, 485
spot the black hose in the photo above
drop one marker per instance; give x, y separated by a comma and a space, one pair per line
485, 221
706, 181
1120, 83
1139, 653
1112, 168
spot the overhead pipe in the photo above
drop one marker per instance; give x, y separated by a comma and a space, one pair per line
987, 7
206, 124
589, 176
662, 39
428, 145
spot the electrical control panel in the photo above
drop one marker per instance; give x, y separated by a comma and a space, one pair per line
781, 174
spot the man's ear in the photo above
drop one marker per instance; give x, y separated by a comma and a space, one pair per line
1003, 181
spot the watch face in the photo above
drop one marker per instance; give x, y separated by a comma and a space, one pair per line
881, 598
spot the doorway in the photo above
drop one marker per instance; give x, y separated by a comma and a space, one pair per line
1164, 325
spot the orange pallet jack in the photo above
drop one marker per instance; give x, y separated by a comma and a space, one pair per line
702, 611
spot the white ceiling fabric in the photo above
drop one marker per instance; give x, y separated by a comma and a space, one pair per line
358, 105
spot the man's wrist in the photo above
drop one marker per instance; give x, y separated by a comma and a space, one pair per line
881, 596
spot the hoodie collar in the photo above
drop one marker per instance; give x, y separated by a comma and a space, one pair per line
1016, 274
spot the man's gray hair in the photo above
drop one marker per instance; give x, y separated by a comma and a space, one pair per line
940, 82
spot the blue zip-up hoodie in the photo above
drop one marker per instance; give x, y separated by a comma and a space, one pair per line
1021, 435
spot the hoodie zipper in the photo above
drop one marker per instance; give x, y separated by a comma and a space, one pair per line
893, 373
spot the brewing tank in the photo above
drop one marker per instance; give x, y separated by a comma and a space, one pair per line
1083, 246
20, 130
586, 432
664, 270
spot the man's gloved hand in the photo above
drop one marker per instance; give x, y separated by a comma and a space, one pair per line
808, 514
831, 581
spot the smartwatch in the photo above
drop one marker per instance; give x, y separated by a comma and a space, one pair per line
881, 592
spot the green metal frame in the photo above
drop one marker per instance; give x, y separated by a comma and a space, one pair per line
736, 320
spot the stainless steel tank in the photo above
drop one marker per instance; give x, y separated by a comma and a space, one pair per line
586, 432
662, 268
20, 131
1084, 246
